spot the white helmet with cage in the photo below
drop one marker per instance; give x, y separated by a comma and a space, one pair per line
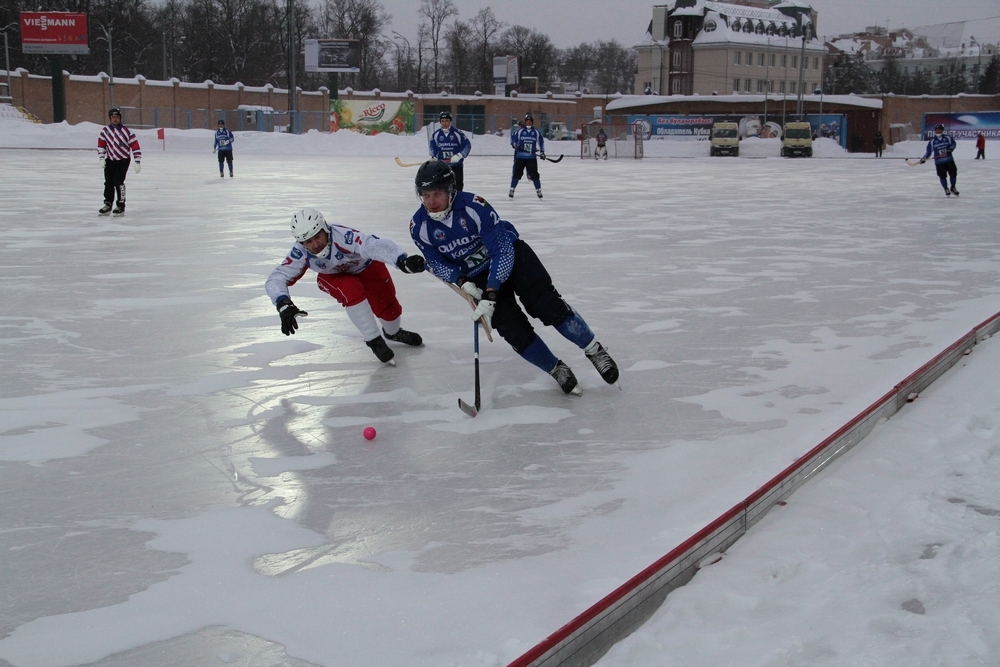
307, 223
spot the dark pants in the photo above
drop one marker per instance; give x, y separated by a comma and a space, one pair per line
946, 169
228, 157
878, 150
522, 163
114, 180
981, 154
531, 283
459, 171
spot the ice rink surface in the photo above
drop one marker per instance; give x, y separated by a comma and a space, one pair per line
182, 484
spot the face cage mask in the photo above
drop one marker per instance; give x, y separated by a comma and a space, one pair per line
442, 215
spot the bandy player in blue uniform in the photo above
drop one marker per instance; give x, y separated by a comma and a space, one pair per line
466, 243
529, 145
352, 269
941, 147
449, 144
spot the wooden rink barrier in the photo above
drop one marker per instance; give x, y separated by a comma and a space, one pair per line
586, 638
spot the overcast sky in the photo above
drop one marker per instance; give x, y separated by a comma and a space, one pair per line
570, 22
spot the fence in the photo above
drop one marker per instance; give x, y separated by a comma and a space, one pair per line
553, 126
236, 119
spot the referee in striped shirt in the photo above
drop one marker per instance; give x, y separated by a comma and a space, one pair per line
116, 146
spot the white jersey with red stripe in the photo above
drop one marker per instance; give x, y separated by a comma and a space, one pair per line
349, 251
117, 142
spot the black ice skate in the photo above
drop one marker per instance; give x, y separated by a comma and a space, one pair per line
381, 350
105, 210
604, 364
564, 376
954, 191
511, 193
405, 337
539, 193
119, 210
947, 192
221, 175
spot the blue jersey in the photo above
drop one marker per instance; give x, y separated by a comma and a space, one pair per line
471, 240
445, 143
527, 143
941, 148
224, 139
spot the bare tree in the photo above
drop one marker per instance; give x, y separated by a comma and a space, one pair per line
615, 67
539, 58
365, 21
484, 29
577, 64
459, 63
437, 12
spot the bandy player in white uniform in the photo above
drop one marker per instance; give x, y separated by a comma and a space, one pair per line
352, 269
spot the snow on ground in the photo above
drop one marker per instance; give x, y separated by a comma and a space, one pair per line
184, 485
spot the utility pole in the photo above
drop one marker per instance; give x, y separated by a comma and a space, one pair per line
806, 33
292, 61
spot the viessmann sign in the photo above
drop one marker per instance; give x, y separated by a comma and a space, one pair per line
54, 32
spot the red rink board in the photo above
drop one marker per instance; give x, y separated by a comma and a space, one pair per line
583, 640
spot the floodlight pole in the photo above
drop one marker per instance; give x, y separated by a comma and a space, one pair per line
292, 61
806, 32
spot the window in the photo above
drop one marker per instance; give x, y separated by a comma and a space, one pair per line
677, 59
736, 25
748, 27
737, 56
795, 62
760, 60
746, 85
791, 85
678, 29
784, 61
736, 85
760, 86
749, 59
759, 29
709, 26
770, 59
781, 87
815, 63
675, 86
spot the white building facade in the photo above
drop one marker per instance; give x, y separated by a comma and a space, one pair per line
715, 48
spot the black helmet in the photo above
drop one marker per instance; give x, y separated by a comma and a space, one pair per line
939, 126
435, 175
222, 122
115, 112
528, 117
444, 114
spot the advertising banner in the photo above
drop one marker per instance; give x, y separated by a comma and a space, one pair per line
964, 125
699, 127
371, 117
332, 55
54, 33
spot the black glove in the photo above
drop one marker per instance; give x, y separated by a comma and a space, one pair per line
410, 263
541, 155
288, 312
922, 160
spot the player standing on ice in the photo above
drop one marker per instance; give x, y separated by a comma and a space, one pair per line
224, 145
449, 144
602, 144
116, 146
941, 147
529, 145
466, 243
351, 268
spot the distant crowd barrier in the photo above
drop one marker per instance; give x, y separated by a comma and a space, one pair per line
586, 638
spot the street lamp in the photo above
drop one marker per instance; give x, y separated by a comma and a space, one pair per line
399, 59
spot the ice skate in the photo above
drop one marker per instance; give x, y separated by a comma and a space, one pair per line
119, 210
405, 337
105, 210
604, 364
511, 193
539, 193
563, 374
954, 191
381, 350
947, 192
221, 175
